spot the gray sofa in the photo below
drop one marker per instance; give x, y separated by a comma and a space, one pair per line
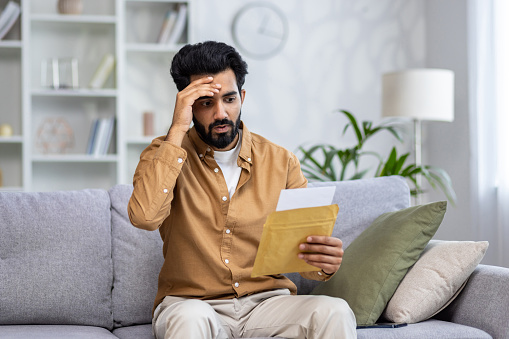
72, 266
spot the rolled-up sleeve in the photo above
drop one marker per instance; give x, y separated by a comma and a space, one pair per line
295, 177
154, 180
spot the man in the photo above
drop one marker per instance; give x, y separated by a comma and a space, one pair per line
208, 190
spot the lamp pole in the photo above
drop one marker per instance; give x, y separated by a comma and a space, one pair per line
418, 155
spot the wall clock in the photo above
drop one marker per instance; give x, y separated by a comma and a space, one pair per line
260, 30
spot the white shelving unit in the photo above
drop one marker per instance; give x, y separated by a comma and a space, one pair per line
140, 82
146, 84
11, 148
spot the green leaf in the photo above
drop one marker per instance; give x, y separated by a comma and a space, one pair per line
359, 175
355, 126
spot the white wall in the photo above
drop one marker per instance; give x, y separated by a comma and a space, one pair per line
451, 145
448, 144
334, 58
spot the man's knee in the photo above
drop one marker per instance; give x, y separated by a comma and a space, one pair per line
192, 311
333, 310
189, 319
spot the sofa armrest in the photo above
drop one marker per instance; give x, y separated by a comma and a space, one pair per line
484, 303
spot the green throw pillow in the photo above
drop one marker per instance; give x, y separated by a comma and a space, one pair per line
378, 259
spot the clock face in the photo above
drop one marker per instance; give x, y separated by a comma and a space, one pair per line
260, 30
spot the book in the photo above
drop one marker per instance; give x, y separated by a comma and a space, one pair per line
101, 135
102, 72
8, 17
91, 136
166, 28
110, 124
179, 26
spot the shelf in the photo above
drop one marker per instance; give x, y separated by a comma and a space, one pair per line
10, 44
161, 48
86, 19
126, 29
11, 189
148, 1
140, 140
16, 139
74, 158
75, 92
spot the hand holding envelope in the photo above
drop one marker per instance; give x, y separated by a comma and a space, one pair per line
285, 230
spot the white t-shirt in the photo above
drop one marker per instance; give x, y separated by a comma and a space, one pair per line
227, 161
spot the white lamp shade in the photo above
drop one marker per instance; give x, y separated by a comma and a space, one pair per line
422, 94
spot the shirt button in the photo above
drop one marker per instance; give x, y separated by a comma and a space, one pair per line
227, 261
180, 160
208, 149
200, 155
236, 284
165, 190
228, 231
216, 170
319, 273
248, 159
225, 198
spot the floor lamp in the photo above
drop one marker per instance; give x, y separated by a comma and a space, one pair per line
419, 94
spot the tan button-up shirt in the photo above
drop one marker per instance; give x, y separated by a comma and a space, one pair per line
210, 240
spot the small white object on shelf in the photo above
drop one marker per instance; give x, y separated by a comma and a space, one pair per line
102, 72
59, 73
6, 130
8, 17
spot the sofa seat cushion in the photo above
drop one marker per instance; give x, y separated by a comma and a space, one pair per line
55, 258
435, 329
134, 332
141, 332
54, 332
432, 328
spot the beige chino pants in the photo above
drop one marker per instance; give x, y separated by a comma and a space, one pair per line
268, 314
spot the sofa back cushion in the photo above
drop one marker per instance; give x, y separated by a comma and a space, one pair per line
137, 260
55, 258
360, 203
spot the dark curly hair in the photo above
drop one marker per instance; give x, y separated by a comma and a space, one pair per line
209, 57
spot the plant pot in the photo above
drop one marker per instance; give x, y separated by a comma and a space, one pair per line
70, 6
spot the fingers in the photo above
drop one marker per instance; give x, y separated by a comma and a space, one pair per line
323, 245
183, 112
202, 87
322, 252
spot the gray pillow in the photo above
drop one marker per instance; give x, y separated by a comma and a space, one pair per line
137, 260
55, 251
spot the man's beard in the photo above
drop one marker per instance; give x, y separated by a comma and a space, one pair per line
220, 140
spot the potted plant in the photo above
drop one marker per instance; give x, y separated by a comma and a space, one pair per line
324, 162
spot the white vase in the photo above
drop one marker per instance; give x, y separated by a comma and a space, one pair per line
70, 6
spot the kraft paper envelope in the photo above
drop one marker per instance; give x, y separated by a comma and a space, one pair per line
284, 231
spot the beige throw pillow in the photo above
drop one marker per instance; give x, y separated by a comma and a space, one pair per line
435, 280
